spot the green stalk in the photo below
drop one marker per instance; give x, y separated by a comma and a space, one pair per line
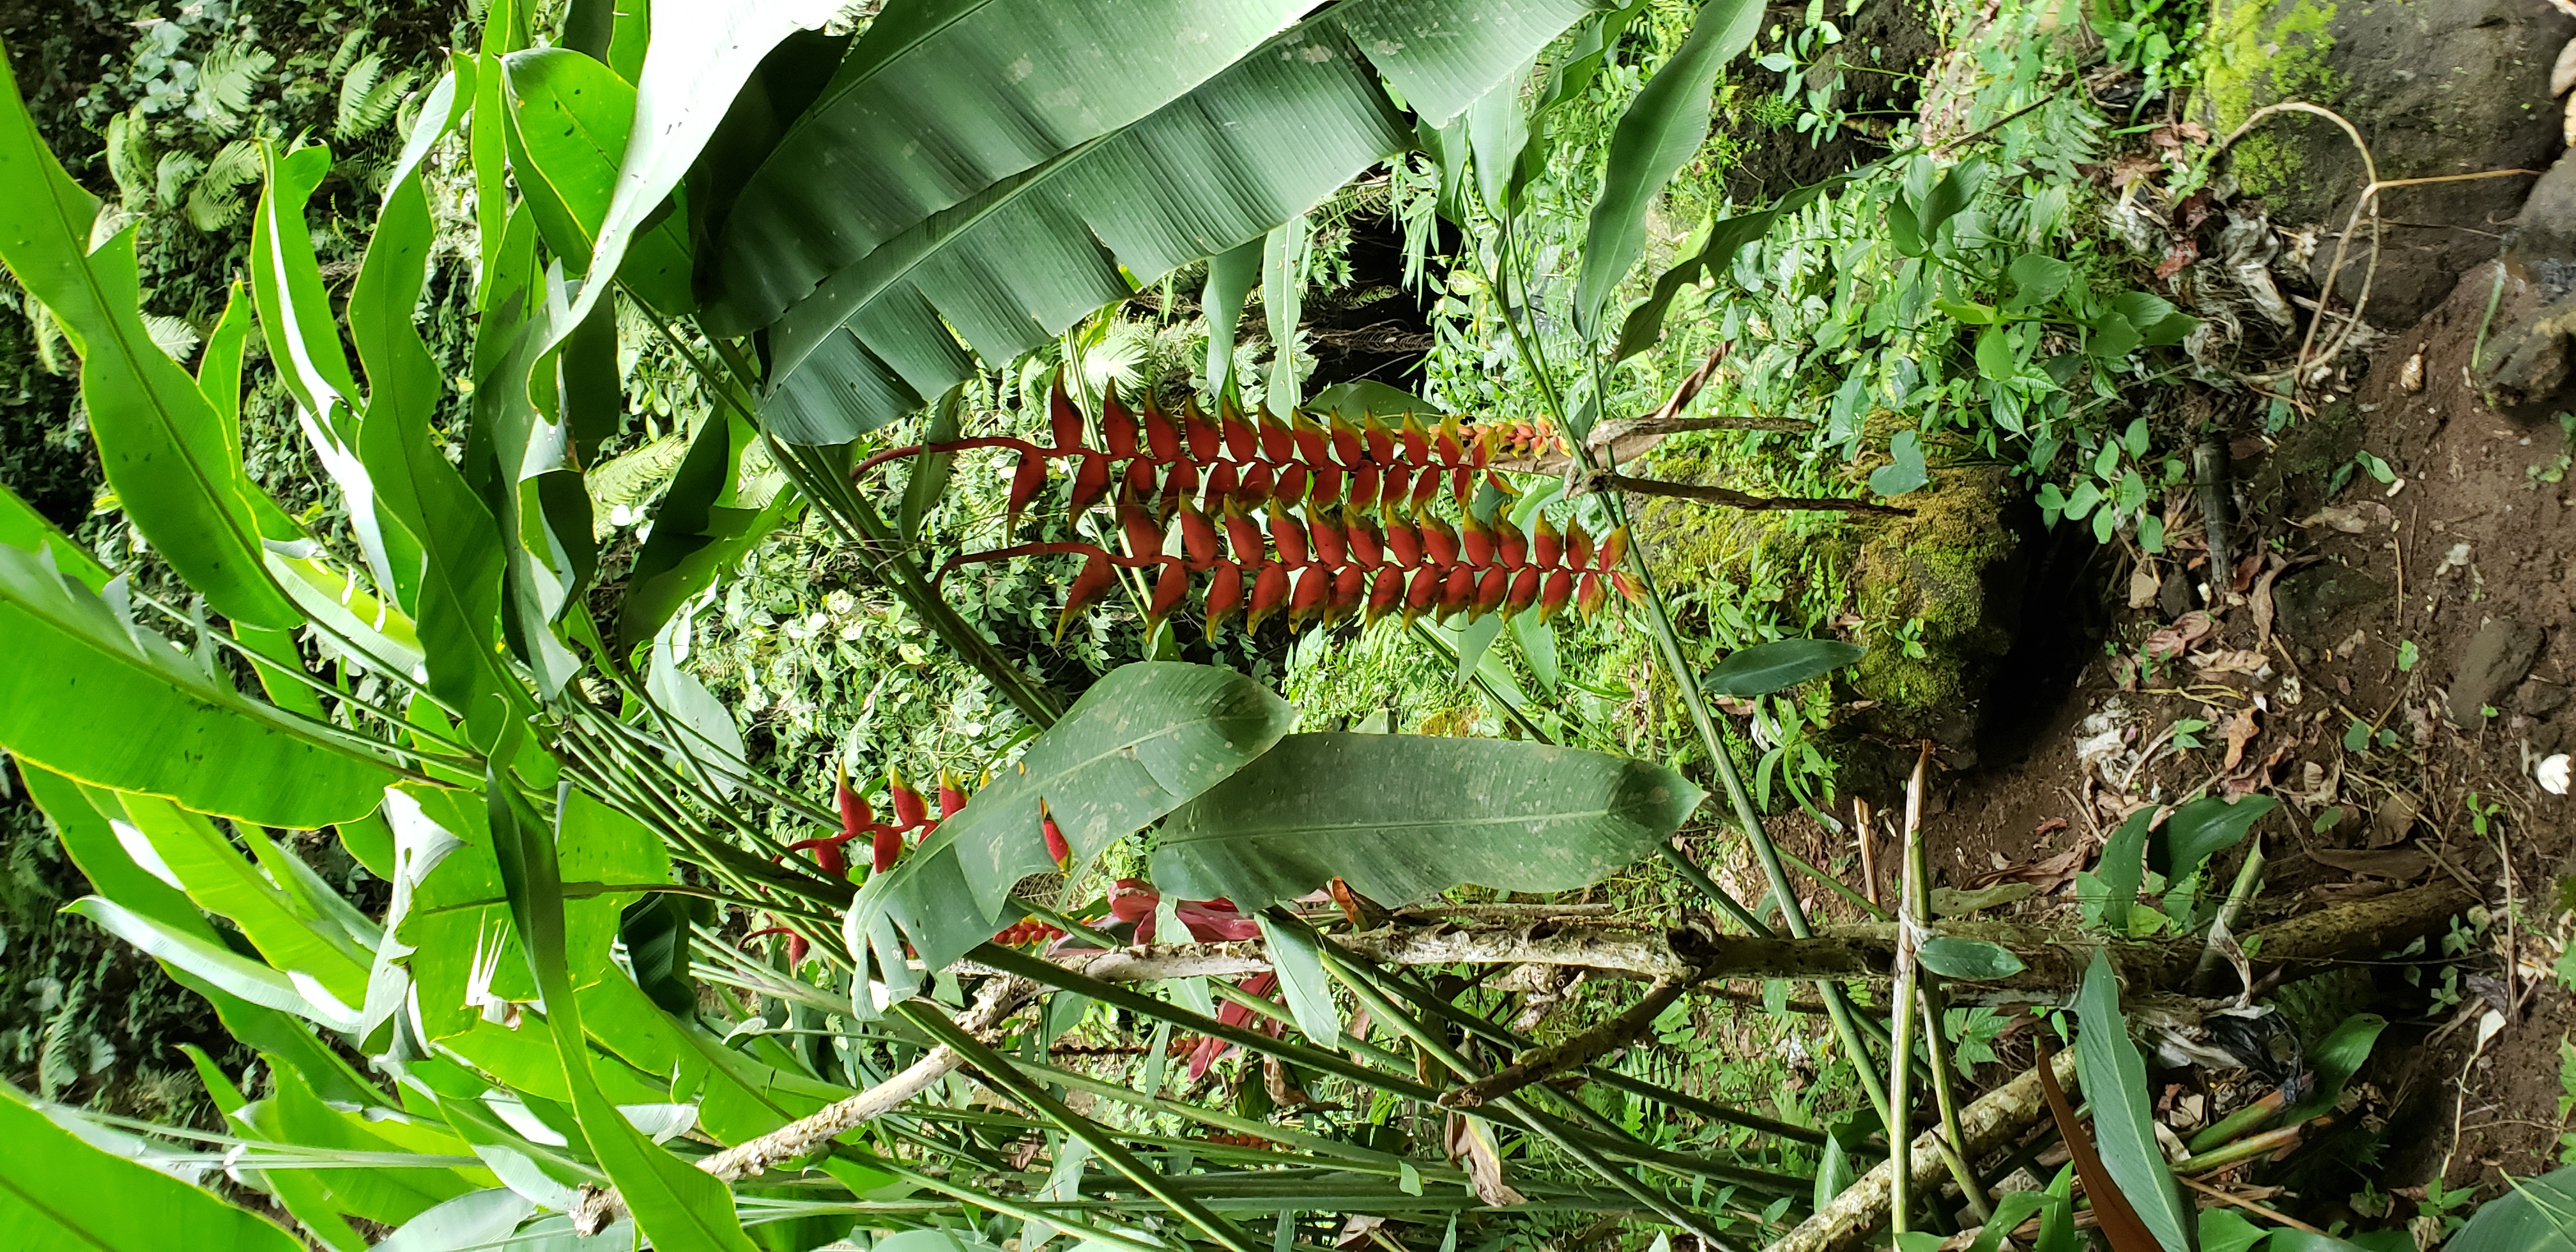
1000, 1071
986, 1200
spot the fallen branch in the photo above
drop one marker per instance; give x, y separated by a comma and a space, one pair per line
1734, 499
599, 1207
1540, 1064
1999, 1117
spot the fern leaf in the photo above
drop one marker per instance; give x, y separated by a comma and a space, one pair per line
129, 159
171, 177
214, 203
225, 81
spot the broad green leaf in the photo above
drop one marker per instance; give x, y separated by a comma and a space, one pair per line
86, 697
457, 608
27, 530
2038, 279
1142, 741
391, 1195
1016, 262
2115, 1082
2538, 1215
677, 1206
224, 882
2011, 1210
59, 1194
568, 127
1950, 195
1662, 127
211, 961
1905, 472
2203, 828
1778, 666
1996, 358
1966, 312
1497, 133
1833, 1173
702, 528
927, 484
1231, 276
941, 99
1442, 56
1402, 817
2286, 1239
2225, 1230
475, 1219
2336, 1058
698, 725
1302, 981
2158, 322
286, 281
2113, 337
1715, 258
164, 448
2122, 869
1952, 956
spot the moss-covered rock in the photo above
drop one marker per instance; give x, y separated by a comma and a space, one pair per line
2435, 87
1941, 593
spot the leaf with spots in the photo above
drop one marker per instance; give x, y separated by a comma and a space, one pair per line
1401, 817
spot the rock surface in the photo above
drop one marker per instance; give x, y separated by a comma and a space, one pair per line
2310, 600
2435, 87
2497, 658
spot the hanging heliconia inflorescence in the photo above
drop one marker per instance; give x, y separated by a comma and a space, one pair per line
1323, 519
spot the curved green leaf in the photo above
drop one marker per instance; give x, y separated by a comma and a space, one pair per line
474, 1220
941, 99
2336, 1058
218, 965
569, 117
1661, 129
27, 530
222, 881
1952, 956
1401, 817
2538, 1215
2204, 828
59, 1194
1905, 471
2115, 1081
82, 696
1715, 258
1778, 665
1140, 743
164, 447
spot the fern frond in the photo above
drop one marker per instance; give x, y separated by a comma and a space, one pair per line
225, 81
171, 177
129, 159
213, 203
347, 55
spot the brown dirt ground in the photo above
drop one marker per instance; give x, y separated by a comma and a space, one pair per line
2466, 490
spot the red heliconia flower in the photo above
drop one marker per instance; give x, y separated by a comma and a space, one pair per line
1117, 426
1386, 591
910, 809
1278, 445
1198, 538
1220, 485
1243, 536
1365, 549
1088, 586
1627, 585
796, 945
1578, 547
1425, 486
1290, 486
1403, 543
1324, 485
1458, 590
1349, 584
1326, 539
1057, 849
1462, 485
1025, 481
1364, 486
1613, 546
1141, 481
856, 816
1439, 542
1314, 585
1345, 437
1259, 479
1269, 592
1546, 546
884, 846
1063, 420
1380, 440
1554, 593
1417, 441
1511, 547
1312, 440
1524, 592
1162, 439
1394, 481
951, 796
1090, 482
1170, 588
1200, 434
1180, 482
1242, 442
1225, 594
1490, 589
1446, 448
1290, 538
1590, 594
1476, 543
1424, 590
1144, 534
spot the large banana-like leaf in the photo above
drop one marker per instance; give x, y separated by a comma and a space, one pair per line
1019, 260
85, 696
59, 1194
163, 446
568, 126
1137, 745
1401, 817
941, 99
2115, 1081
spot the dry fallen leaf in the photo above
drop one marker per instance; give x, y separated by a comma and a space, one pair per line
2188, 629
2241, 730
2223, 661
2399, 864
1471, 1138
2396, 816
2143, 585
